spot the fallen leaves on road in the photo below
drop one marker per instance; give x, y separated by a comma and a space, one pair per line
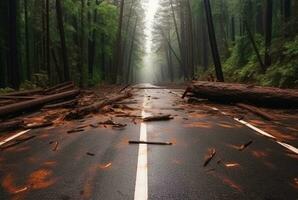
209, 156
41, 179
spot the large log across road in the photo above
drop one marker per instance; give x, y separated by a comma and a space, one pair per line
28, 105
233, 92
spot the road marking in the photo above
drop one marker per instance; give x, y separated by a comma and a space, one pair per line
141, 186
287, 146
13, 137
254, 128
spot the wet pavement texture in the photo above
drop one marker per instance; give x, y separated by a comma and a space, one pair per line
99, 163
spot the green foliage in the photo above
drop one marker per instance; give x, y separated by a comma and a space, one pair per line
6, 90
243, 65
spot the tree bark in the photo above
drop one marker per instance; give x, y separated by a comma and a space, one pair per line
118, 45
48, 48
14, 70
233, 92
62, 40
38, 102
213, 43
268, 32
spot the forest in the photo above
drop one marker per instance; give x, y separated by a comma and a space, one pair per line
91, 42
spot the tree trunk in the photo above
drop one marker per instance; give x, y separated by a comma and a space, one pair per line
213, 43
27, 49
48, 48
38, 102
62, 40
251, 37
268, 32
14, 71
232, 92
118, 45
131, 51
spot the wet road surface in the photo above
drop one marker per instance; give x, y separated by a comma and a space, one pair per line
98, 163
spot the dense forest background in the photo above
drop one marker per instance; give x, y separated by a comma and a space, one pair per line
44, 42
257, 40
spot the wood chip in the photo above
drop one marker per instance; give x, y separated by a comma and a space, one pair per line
149, 142
209, 157
56, 146
244, 146
75, 131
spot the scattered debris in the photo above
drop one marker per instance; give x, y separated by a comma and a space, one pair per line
56, 144
257, 111
244, 146
21, 190
158, 118
90, 154
11, 125
75, 131
194, 100
148, 142
230, 165
105, 166
17, 142
94, 125
41, 125
113, 124
94, 108
211, 154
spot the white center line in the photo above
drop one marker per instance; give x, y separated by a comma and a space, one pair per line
141, 186
13, 137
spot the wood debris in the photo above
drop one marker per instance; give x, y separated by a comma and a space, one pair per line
209, 157
158, 118
75, 131
244, 146
149, 142
90, 154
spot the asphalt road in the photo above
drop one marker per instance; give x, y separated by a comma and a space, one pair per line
98, 163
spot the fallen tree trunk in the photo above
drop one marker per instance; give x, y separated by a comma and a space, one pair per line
67, 87
233, 92
64, 104
11, 125
83, 111
256, 111
30, 104
58, 86
25, 93
18, 97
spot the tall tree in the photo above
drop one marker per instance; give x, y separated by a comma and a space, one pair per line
62, 40
268, 32
13, 59
213, 43
118, 46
